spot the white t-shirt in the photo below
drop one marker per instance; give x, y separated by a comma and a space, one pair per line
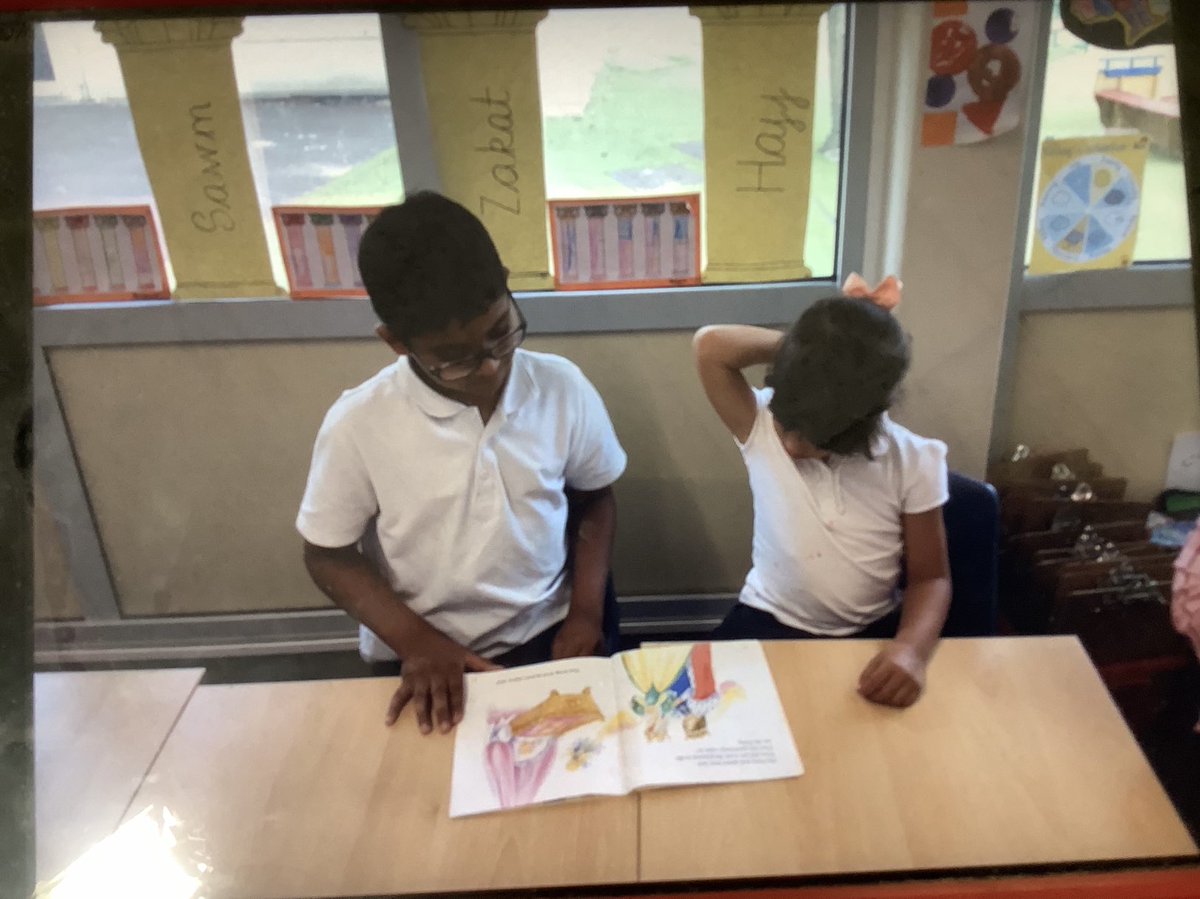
828, 537
469, 520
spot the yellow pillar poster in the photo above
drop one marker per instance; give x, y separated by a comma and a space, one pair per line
184, 100
481, 83
759, 78
1087, 203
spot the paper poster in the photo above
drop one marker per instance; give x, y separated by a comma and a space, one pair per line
642, 242
99, 254
1087, 203
481, 88
977, 55
1183, 468
320, 249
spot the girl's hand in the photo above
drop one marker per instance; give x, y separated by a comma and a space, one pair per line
885, 294
895, 677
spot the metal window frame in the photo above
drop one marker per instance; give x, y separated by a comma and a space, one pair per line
104, 635
1144, 286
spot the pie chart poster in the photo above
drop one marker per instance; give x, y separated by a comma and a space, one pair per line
1088, 198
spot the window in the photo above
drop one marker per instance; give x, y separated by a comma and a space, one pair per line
82, 124
317, 114
623, 106
1089, 90
623, 111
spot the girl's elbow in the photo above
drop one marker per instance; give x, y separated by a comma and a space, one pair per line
706, 343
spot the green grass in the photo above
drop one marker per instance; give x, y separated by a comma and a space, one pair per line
635, 119
375, 182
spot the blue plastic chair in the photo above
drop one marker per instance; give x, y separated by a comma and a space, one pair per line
972, 517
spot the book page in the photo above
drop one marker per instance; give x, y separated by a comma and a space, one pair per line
536, 734
705, 712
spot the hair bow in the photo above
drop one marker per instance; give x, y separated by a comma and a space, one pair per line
885, 294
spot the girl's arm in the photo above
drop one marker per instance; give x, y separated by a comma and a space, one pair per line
722, 351
896, 675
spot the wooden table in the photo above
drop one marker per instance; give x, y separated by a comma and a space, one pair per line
299, 789
1015, 756
96, 735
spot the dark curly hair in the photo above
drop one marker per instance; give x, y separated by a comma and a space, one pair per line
428, 263
836, 372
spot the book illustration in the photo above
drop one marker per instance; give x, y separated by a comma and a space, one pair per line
523, 744
664, 715
676, 683
584, 749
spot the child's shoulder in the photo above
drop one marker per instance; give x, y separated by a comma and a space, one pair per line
550, 366
906, 445
553, 374
365, 398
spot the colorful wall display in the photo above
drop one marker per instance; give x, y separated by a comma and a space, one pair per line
96, 255
320, 249
640, 242
760, 69
978, 53
1088, 200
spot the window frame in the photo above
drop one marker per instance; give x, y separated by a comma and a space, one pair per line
1155, 284
1144, 285
548, 312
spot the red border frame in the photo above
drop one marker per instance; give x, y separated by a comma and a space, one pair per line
693, 203
1158, 883
75, 299
278, 212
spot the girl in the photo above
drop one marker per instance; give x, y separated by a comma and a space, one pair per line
844, 498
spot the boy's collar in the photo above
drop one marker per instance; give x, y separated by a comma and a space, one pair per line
519, 388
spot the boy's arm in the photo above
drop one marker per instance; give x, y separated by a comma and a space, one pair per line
722, 351
433, 664
592, 523
896, 675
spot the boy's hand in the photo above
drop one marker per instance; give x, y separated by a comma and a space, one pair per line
578, 636
432, 674
894, 677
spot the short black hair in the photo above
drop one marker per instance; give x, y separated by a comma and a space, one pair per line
427, 263
836, 372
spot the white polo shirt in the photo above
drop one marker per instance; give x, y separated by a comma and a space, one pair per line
469, 520
828, 537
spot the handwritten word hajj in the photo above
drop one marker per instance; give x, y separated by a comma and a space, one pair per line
501, 148
783, 112
218, 215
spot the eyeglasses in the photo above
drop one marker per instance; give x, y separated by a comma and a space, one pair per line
500, 348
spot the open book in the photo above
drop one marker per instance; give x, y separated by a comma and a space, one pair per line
667, 714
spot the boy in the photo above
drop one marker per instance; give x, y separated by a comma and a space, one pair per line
842, 495
476, 475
